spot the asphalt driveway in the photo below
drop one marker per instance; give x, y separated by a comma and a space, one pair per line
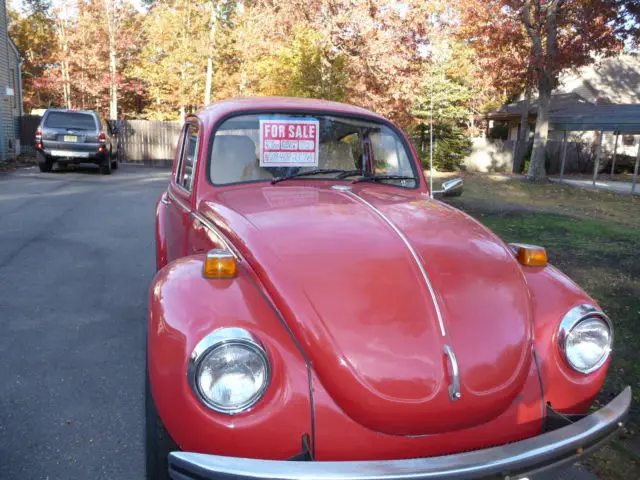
76, 259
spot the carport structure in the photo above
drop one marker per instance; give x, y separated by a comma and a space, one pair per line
620, 119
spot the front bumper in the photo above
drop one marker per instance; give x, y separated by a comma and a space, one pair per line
529, 458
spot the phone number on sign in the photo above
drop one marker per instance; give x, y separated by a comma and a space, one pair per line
289, 158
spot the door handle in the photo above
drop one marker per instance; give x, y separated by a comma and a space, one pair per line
454, 388
165, 199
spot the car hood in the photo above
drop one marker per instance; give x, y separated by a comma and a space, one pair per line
347, 271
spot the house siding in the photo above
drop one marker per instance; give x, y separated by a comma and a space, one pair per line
10, 106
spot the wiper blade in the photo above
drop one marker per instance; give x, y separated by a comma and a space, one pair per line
377, 178
304, 174
348, 173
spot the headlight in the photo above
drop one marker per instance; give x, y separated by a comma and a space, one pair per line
585, 337
229, 370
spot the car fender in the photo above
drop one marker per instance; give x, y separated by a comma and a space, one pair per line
184, 307
161, 239
553, 295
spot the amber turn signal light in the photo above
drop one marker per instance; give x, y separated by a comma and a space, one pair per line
530, 255
220, 264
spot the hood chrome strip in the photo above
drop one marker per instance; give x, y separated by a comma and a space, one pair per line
414, 254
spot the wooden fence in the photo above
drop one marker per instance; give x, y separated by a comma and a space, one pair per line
148, 141
28, 125
139, 141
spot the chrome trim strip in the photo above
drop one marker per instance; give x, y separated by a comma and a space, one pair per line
215, 230
178, 201
558, 447
217, 233
213, 340
454, 388
414, 254
571, 319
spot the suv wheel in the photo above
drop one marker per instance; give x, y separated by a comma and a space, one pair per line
114, 163
105, 166
45, 164
158, 442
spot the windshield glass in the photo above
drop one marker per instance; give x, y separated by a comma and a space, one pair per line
72, 120
265, 147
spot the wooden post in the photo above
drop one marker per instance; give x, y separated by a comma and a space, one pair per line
635, 170
615, 153
598, 153
565, 142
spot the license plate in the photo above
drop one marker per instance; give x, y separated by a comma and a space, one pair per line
66, 153
70, 138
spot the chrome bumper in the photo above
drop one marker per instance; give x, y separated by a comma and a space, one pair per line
527, 458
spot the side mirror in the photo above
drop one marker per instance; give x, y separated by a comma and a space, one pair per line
451, 188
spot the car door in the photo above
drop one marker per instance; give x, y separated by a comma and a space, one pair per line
179, 196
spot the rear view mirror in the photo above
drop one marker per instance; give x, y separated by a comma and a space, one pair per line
451, 188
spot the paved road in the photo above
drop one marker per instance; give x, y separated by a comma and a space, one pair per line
76, 259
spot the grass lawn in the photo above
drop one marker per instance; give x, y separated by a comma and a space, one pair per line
594, 237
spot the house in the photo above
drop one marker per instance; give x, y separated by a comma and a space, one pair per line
10, 90
602, 99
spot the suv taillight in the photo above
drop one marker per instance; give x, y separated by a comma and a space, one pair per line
39, 138
102, 138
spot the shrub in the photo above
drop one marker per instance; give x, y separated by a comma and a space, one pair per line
450, 147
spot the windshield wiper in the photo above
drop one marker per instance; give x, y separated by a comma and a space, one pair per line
304, 174
378, 178
348, 173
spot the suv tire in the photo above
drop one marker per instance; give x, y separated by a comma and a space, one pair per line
105, 166
114, 163
45, 164
158, 442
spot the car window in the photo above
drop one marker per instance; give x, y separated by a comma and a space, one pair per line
72, 120
241, 152
189, 154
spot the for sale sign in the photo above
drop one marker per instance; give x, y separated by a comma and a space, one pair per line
289, 143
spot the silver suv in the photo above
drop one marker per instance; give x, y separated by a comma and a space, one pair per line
75, 136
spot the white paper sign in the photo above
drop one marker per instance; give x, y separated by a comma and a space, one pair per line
289, 143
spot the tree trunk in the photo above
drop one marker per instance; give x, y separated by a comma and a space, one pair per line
64, 64
113, 63
547, 51
212, 38
182, 100
523, 135
537, 171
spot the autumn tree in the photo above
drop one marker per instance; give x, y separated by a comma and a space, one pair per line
32, 30
367, 50
450, 97
527, 43
98, 79
172, 63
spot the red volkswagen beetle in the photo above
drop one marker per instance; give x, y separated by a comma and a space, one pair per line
318, 315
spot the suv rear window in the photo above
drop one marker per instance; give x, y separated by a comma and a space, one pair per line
79, 121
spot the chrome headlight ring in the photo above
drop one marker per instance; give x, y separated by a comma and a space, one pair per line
226, 339
575, 318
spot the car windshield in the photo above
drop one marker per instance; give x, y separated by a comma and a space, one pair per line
72, 120
274, 147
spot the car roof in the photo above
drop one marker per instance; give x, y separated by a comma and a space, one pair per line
220, 109
67, 110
